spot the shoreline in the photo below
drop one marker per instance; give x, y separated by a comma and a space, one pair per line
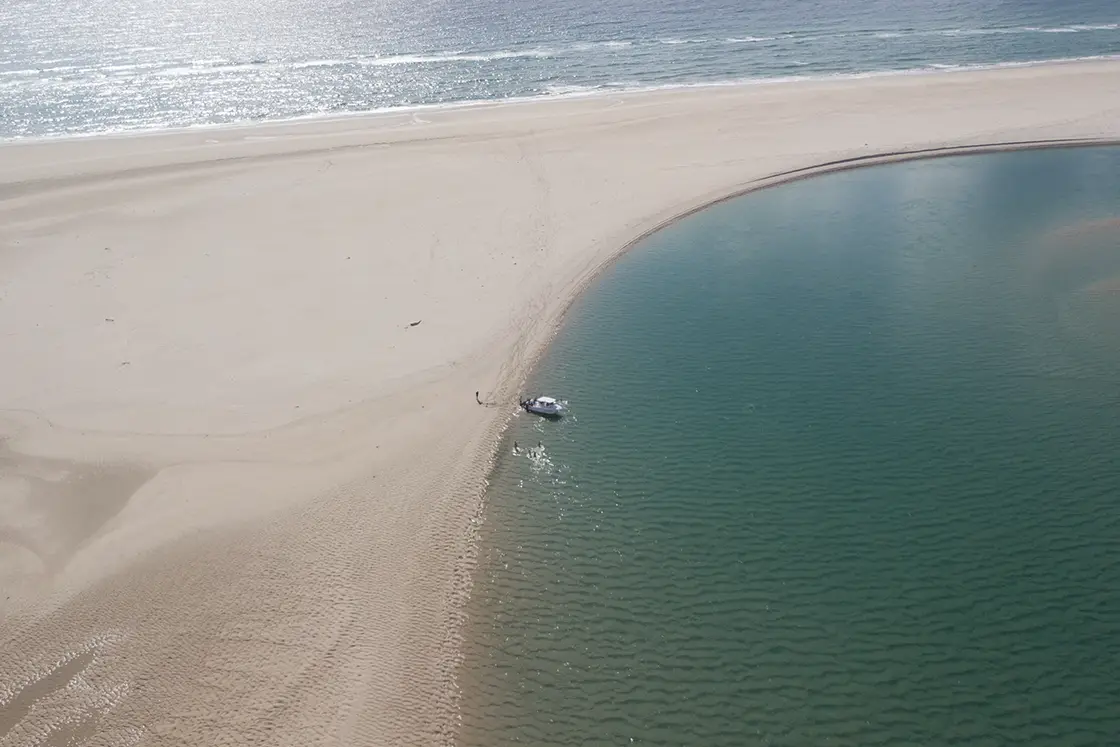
589, 93
763, 183
373, 500
809, 172
535, 496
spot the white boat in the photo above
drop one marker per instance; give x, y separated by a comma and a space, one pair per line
546, 406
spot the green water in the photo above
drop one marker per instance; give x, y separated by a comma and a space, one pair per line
841, 469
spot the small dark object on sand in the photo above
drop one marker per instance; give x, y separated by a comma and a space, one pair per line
413, 324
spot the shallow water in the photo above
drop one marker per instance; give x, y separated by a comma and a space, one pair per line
841, 469
83, 66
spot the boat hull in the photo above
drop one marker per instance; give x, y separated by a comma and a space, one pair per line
545, 413
548, 409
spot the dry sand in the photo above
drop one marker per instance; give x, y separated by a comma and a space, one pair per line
236, 487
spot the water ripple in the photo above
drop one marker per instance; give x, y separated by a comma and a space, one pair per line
74, 67
834, 477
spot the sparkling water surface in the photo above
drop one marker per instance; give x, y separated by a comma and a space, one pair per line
84, 66
841, 469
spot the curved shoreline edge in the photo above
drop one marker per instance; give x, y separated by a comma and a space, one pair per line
755, 185
786, 177
498, 712
214, 338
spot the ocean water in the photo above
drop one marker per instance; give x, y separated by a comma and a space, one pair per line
86, 66
841, 469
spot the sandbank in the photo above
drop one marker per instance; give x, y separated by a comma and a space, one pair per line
238, 484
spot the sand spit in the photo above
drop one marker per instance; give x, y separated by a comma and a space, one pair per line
237, 485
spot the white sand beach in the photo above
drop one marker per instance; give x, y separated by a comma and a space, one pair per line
238, 487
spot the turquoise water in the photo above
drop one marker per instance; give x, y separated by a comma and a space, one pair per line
84, 66
841, 469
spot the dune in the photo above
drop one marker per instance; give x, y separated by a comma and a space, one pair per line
241, 460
